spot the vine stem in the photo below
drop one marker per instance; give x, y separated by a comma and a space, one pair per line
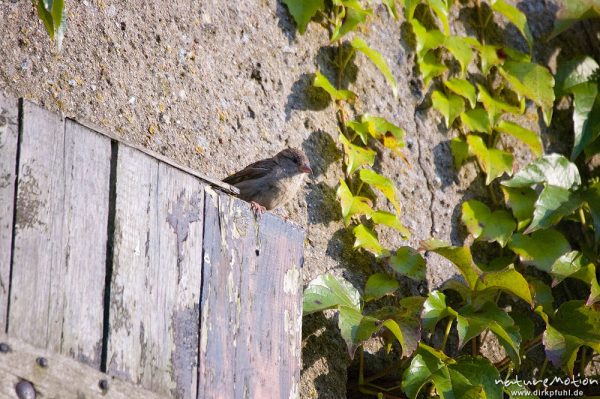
446, 333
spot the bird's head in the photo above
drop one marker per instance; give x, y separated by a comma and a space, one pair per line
297, 158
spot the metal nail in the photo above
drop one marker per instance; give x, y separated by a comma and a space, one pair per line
4, 348
103, 384
25, 390
42, 362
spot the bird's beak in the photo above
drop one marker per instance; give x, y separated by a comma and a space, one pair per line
305, 169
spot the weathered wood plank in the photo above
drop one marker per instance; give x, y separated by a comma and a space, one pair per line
156, 281
9, 132
61, 378
60, 236
251, 309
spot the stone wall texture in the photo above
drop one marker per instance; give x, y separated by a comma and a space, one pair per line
216, 85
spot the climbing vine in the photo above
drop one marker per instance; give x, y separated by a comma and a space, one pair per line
52, 14
542, 222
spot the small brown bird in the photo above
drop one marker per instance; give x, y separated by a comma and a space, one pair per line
271, 182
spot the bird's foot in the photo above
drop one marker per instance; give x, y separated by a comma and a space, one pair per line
257, 208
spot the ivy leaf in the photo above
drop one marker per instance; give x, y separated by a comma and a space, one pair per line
573, 11
508, 280
475, 375
528, 137
430, 68
460, 256
515, 16
379, 285
426, 40
361, 128
574, 72
328, 291
390, 220
352, 205
532, 81
408, 262
482, 223
367, 240
354, 15
435, 309
474, 215
552, 205
461, 50
460, 151
463, 88
403, 322
391, 7
494, 162
378, 60
450, 107
381, 129
53, 15
573, 264
521, 201
381, 183
573, 326
553, 169
542, 294
356, 156
324, 83
303, 11
541, 248
488, 55
440, 8
476, 120
495, 107
592, 198
586, 122
349, 320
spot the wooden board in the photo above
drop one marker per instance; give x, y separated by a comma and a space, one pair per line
60, 236
9, 132
251, 309
156, 277
61, 378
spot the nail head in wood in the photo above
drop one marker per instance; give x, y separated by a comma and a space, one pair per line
25, 390
42, 362
103, 384
4, 348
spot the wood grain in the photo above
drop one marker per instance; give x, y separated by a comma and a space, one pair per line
251, 309
62, 378
9, 132
60, 236
156, 282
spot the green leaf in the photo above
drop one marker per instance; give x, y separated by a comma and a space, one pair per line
494, 162
349, 320
356, 156
329, 291
381, 129
352, 205
53, 15
390, 220
426, 40
475, 375
460, 256
463, 88
553, 169
46, 18
381, 183
542, 294
521, 201
430, 68
461, 50
495, 107
573, 73
303, 11
515, 16
440, 8
528, 137
573, 326
476, 120
354, 15
361, 128
379, 285
573, 11
488, 55
435, 309
378, 60
552, 205
586, 119
403, 322
508, 280
532, 81
322, 82
540, 249
408, 262
460, 151
592, 198
474, 216
450, 107
482, 223
575, 265
367, 240
391, 7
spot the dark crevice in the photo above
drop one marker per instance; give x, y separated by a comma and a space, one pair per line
14, 216
112, 202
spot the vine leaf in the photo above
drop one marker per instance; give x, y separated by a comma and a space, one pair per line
514, 15
541, 248
489, 57
353, 15
552, 205
356, 156
435, 309
542, 294
430, 68
463, 88
508, 280
532, 81
381, 183
482, 223
476, 120
403, 322
460, 151
592, 198
450, 107
574, 72
553, 169
528, 137
495, 107
53, 15
460, 256
380, 62
379, 285
408, 262
352, 205
366, 239
460, 48
303, 10
390, 220
494, 162
573, 326
573, 11
390, 135
426, 40
328, 291
573, 264
324, 83
586, 119
521, 200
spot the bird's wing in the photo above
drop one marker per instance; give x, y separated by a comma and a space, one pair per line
251, 172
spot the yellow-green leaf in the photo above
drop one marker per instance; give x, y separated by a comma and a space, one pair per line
354, 14
494, 106
303, 11
461, 50
450, 107
367, 240
390, 220
528, 137
381, 183
514, 15
324, 83
352, 205
463, 88
356, 156
380, 62
430, 68
476, 120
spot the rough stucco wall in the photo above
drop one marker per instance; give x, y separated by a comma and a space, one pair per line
216, 85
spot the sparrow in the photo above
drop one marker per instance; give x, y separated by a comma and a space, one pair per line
271, 182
